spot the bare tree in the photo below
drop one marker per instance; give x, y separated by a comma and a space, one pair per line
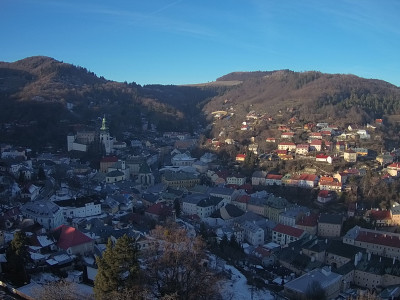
177, 269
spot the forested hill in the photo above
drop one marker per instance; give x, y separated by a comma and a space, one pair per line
311, 96
51, 94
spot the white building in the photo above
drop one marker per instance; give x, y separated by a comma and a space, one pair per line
80, 208
46, 213
253, 233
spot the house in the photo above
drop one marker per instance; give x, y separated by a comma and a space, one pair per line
329, 183
284, 234
253, 148
253, 234
270, 140
256, 205
330, 225
189, 203
308, 180
258, 178
340, 146
183, 159
308, 223
379, 217
316, 145
325, 196
72, 240
393, 169
290, 215
329, 281
288, 146
323, 158
272, 179
274, 206
350, 155
287, 135
302, 149
207, 206
315, 136
160, 212
236, 179
46, 213
240, 157
227, 194
384, 159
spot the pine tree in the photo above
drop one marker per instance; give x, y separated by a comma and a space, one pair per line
17, 257
118, 268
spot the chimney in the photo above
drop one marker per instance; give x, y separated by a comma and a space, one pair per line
394, 260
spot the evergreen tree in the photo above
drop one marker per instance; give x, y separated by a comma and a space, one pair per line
118, 268
17, 257
41, 174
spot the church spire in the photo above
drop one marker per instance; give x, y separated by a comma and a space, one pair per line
103, 124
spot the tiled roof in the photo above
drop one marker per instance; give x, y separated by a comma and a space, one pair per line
309, 221
380, 214
274, 176
378, 238
70, 237
288, 230
109, 159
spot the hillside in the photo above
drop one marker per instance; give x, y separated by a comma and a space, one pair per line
309, 95
44, 97
42, 91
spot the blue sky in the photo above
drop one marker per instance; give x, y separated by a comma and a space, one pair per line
186, 41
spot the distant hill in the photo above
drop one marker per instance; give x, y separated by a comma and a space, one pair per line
309, 95
45, 96
43, 91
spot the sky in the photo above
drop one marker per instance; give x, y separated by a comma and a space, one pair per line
187, 41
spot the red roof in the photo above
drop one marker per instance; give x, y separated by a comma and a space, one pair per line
315, 134
308, 177
159, 209
394, 165
287, 144
70, 237
109, 159
380, 214
309, 221
316, 142
288, 230
378, 239
274, 176
241, 156
322, 156
323, 194
243, 199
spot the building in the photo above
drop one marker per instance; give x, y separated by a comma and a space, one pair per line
292, 214
72, 240
381, 243
107, 162
253, 233
284, 234
302, 149
330, 225
350, 155
183, 159
274, 206
46, 213
236, 179
272, 179
105, 138
258, 178
80, 207
328, 280
180, 179
287, 146
393, 169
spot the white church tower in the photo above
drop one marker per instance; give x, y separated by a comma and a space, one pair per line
105, 138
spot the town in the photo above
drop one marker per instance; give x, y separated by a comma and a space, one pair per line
313, 204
